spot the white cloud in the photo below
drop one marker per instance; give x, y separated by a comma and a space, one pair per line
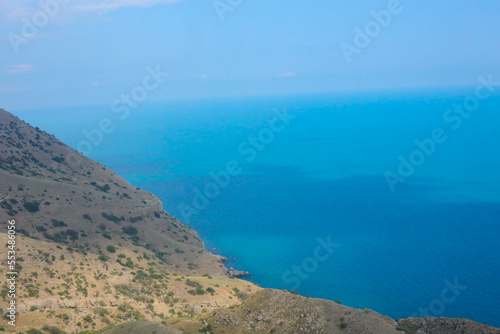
106, 6
20, 68
18, 9
288, 74
15, 10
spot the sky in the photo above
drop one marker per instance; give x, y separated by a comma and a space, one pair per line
62, 53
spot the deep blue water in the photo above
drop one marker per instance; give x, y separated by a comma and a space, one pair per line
322, 176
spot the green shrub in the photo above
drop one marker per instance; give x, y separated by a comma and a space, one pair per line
103, 258
52, 329
58, 159
101, 311
112, 218
63, 316
130, 230
32, 206
41, 229
58, 223
135, 219
111, 249
34, 331
72, 234
206, 329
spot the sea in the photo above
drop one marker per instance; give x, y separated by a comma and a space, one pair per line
382, 200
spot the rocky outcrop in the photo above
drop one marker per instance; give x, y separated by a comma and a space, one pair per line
220, 258
444, 326
237, 273
273, 311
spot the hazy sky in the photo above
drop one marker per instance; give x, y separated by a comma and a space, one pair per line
93, 51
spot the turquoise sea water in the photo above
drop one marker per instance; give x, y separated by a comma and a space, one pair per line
322, 176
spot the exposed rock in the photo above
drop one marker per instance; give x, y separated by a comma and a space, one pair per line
237, 273
220, 258
444, 326
273, 311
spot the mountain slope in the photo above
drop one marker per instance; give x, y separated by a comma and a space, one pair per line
57, 194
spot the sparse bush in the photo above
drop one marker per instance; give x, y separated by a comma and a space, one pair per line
34, 331
206, 329
58, 159
58, 223
41, 229
343, 324
72, 234
63, 316
105, 188
112, 218
32, 206
135, 219
130, 230
52, 329
101, 311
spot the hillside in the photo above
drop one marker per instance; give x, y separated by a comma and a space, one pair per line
58, 195
88, 241
64, 288
97, 255
142, 327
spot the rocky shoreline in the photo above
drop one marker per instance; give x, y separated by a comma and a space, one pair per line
231, 271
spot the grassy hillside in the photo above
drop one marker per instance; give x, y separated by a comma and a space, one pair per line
142, 327
61, 287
